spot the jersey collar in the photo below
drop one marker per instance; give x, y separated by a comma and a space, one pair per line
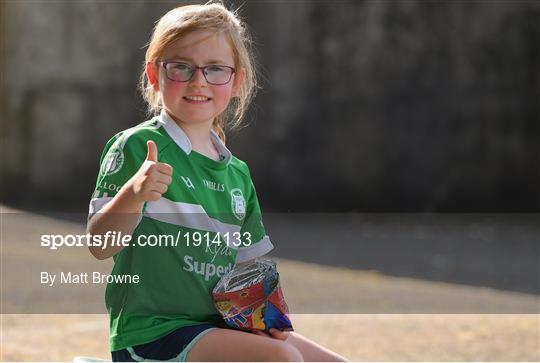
182, 140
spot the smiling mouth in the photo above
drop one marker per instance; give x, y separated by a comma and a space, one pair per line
196, 99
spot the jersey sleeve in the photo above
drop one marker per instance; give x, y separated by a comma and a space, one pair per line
121, 159
255, 240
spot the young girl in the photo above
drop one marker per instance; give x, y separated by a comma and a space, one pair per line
173, 176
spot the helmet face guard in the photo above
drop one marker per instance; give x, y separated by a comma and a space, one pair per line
250, 297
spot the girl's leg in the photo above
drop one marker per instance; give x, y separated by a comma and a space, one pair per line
237, 346
311, 351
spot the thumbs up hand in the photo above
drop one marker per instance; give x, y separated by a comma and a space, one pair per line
152, 154
153, 178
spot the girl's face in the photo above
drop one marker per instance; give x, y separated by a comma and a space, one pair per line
200, 48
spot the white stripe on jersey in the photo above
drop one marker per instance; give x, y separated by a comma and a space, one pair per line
187, 215
192, 216
257, 249
97, 204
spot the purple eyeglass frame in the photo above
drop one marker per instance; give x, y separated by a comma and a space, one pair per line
195, 68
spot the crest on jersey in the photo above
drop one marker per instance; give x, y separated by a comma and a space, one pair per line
113, 161
238, 204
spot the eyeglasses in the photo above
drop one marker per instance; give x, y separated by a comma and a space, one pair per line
182, 72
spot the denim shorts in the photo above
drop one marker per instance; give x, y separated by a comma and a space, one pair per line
173, 347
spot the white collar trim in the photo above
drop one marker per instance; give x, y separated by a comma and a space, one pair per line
182, 140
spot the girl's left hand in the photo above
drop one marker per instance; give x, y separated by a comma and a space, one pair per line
274, 333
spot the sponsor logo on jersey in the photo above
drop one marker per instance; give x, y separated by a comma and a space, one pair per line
110, 186
205, 269
188, 182
238, 204
218, 187
113, 161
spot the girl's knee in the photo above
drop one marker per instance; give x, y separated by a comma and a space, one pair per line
285, 352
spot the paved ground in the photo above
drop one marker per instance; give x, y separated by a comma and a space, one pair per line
381, 318
361, 337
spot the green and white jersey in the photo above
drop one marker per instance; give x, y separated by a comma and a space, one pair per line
209, 219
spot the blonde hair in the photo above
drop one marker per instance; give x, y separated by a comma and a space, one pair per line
214, 17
